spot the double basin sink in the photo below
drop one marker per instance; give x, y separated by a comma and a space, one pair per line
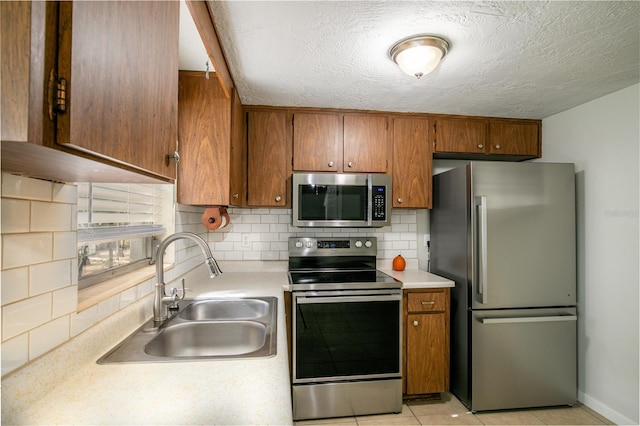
204, 329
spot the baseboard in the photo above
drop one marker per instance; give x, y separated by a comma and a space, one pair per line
604, 410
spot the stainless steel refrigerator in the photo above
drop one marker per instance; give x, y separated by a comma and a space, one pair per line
505, 233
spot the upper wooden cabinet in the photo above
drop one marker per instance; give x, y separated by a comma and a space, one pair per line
317, 142
412, 151
212, 143
335, 142
96, 84
461, 136
475, 137
514, 138
269, 141
367, 148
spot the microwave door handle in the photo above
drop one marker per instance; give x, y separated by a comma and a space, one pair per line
369, 203
482, 249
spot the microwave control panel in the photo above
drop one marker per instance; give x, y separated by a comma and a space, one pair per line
379, 201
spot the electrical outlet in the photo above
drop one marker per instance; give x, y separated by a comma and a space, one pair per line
246, 242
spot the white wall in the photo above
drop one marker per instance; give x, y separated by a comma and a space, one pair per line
602, 137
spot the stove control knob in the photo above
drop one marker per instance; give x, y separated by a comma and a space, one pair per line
358, 243
368, 244
309, 244
299, 244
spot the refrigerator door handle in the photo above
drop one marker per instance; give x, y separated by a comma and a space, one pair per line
482, 249
516, 320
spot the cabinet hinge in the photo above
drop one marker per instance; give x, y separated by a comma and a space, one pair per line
57, 95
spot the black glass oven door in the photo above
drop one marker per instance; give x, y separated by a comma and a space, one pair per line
346, 337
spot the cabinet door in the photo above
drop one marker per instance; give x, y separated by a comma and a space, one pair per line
511, 138
238, 173
411, 163
204, 130
463, 136
426, 353
317, 142
269, 158
366, 143
120, 60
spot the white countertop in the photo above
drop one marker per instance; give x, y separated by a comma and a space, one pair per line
248, 391
416, 278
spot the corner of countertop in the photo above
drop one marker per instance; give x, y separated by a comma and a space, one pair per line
417, 278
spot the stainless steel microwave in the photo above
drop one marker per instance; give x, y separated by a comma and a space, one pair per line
341, 200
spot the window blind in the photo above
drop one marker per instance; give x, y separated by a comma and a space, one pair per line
113, 211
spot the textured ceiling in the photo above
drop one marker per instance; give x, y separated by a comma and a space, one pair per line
525, 59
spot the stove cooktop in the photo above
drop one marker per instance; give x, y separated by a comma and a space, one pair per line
336, 263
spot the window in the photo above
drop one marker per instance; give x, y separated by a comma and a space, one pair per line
117, 224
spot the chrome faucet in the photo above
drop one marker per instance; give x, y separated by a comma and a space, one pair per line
161, 299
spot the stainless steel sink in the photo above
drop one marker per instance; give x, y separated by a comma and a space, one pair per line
210, 338
240, 309
204, 329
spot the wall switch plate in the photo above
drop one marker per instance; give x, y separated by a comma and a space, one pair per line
427, 238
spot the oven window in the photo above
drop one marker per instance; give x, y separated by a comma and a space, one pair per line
332, 202
347, 339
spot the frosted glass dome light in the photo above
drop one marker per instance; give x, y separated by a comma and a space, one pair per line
419, 55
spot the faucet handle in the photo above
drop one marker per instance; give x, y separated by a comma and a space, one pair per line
174, 291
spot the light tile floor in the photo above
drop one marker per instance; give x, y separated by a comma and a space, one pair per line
449, 411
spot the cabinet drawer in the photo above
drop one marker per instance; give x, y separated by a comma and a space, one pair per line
426, 302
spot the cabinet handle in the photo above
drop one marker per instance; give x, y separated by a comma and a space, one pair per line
330, 163
236, 196
497, 146
400, 200
350, 164
480, 146
430, 302
416, 323
175, 156
278, 198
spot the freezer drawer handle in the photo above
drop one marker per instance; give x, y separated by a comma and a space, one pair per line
528, 319
482, 250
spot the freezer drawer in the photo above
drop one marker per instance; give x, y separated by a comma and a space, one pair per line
523, 358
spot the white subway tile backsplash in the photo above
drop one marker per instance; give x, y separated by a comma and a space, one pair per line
15, 353
15, 215
83, 320
64, 245
63, 193
232, 255
25, 315
50, 216
127, 297
48, 336
49, 276
26, 188
65, 301
259, 228
26, 249
270, 255
15, 285
108, 307
268, 231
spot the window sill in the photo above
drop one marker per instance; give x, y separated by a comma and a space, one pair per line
91, 296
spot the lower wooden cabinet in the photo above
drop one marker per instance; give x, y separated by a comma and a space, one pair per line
426, 341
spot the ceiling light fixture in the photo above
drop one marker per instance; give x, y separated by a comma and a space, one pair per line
419, 55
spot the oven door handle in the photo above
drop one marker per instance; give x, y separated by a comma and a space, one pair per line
339, 299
